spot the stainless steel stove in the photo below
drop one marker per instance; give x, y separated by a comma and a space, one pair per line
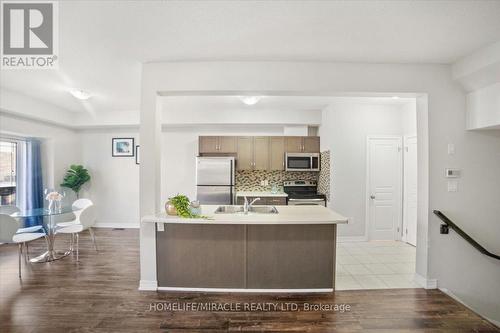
303, 193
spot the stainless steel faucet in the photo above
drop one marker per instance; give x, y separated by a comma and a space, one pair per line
247, 205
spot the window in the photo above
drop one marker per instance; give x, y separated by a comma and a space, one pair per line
8, 175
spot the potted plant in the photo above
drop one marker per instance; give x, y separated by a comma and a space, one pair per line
75, 177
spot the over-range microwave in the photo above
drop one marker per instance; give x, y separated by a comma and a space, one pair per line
302, 161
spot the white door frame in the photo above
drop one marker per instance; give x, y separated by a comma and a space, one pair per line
399, 200
163, 79
404, 222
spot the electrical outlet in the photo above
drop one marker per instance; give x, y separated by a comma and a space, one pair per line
452, 185
451, 149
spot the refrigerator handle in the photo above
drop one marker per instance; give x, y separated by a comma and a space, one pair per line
232, 182
233, 172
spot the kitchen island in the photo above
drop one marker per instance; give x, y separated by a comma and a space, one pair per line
291, 251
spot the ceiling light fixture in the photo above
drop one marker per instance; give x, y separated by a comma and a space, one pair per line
395, 97
80, 94
250, 100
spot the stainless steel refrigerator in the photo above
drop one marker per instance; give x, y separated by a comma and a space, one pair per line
215, 180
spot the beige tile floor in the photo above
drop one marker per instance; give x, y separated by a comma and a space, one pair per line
375, 265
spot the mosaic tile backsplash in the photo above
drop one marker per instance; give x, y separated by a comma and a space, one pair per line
249, 180
324, 175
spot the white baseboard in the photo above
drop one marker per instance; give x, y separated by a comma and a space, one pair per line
242, 290
456, 298
146, 285
425, 283
132, 225
343, 239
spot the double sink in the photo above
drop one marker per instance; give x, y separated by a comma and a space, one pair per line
251, 210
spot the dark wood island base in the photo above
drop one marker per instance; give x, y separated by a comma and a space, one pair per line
243, 257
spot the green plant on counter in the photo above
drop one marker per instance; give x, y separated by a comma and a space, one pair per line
181, 204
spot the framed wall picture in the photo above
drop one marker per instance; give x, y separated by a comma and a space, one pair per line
123, 147
137, 155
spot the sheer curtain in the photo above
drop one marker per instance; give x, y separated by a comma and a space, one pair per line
30, 186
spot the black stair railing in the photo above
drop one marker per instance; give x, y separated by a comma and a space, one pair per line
449, 224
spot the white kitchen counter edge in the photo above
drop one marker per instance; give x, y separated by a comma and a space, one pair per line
288, 215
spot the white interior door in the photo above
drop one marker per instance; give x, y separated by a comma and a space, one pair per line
384, 177
410, 191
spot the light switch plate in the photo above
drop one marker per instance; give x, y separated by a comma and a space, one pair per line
160, 226
452, 185
451, 173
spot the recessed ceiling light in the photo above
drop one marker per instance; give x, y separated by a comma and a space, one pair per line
80, 94
395, 97
250, 100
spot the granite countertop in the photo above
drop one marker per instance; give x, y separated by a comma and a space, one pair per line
286, 215
260, 194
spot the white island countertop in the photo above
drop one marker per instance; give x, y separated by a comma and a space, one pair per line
286, 215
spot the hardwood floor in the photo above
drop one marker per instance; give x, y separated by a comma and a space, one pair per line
99, 294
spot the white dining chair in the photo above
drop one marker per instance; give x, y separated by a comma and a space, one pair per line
78, 205
87, 219
9, 210
8, 234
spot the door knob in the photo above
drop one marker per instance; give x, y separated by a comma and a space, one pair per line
372, 197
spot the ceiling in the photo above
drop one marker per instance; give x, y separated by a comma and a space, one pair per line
269, 103
103, 43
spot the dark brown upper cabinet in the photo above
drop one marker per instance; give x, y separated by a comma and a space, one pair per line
253, 153
276, 153
217, 144
302, 144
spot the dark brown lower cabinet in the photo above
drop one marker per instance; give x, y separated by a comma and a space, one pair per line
285, 256
273, 201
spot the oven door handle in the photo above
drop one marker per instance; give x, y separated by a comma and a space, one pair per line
306, 200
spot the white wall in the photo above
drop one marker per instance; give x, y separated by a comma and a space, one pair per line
483, 108
115, 180
409, 114
296, 130
60, 146
345, 127
479, 74
223, 114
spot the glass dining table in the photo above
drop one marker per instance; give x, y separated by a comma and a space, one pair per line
50, 228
